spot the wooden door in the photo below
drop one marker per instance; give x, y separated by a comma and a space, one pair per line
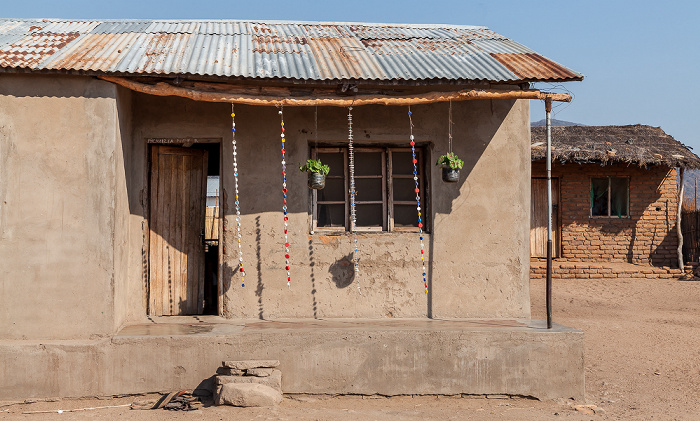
176, 252
538, 218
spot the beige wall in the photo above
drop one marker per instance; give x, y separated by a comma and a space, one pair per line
478, 248
73, 171
57, 207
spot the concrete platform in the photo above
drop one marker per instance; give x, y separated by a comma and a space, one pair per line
388, 357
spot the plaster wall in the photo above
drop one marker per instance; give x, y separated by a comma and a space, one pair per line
477, 248
73, 190
130, 263
57, 207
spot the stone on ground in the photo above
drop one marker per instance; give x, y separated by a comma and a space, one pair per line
249, 394
259, 372
248, 364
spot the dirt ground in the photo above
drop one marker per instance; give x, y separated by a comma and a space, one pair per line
642, 363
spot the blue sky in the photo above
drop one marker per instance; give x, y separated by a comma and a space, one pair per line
641, 58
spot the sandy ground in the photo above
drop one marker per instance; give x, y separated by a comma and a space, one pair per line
642, 363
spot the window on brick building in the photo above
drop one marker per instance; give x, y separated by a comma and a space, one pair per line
385, 199
610, 196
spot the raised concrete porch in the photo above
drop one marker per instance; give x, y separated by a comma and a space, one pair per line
388, 357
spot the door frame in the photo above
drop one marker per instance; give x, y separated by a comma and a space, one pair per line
146, 201
556, 227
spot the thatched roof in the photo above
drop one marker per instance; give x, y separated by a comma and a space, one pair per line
640, 145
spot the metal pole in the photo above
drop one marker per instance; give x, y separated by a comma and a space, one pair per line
548, 109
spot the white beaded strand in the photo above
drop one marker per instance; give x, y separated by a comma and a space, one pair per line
238, 207
353, 193
417, 191
284, 195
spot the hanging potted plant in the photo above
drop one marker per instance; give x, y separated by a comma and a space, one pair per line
317, 173
451, 164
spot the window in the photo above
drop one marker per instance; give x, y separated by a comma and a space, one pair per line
610, 196
386, 198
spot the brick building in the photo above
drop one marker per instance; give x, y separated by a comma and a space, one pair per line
615, 194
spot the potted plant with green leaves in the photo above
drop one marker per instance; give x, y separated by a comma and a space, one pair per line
317, 173
451, 164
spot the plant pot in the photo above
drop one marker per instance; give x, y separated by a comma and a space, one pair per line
450, 175
317, 181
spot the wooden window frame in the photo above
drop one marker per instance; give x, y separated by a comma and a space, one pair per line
609, 216
387, 176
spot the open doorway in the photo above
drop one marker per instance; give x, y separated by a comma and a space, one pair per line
539, 215
184, 229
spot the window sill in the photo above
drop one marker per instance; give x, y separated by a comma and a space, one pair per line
337, 232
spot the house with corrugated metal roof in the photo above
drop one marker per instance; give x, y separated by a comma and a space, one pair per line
153, 219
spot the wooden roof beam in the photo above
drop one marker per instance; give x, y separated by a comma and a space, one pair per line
166, 89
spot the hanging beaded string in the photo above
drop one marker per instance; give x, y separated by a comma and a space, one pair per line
449, 131
417, 190
284, 195
238, 207
353, 193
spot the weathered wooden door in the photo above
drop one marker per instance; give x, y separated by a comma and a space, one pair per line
538, 218
176, 252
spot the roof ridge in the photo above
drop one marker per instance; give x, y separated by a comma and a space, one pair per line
258, 21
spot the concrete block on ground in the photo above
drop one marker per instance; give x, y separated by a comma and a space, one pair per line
248, 364
274, 380
248, 394
225, 371
259, 372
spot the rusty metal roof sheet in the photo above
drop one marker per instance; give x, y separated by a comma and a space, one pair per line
274, 49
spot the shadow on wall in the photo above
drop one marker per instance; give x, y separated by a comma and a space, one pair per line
312, 265
471, 139
343, 271
474, 127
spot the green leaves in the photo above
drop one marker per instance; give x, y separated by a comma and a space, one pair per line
450, 160
315, 165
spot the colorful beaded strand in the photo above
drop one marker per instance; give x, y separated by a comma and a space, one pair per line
284, 195
417, 190
238, 207
353, 193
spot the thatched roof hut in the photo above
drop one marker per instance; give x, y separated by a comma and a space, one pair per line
637, 144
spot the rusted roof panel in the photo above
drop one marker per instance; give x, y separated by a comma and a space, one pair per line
275, 49
532, 66
33, 49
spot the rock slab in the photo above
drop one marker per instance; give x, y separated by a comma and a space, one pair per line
248, 364
224, 371
259, 372
273, 381
249, 394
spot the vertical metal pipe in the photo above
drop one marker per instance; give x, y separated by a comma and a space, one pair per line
548, 109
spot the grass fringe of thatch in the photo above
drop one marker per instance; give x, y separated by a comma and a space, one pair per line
635, 145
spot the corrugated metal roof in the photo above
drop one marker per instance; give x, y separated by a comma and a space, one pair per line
289, 50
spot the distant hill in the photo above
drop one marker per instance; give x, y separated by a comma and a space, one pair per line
555, 122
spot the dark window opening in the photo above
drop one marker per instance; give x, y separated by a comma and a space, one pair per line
610, 196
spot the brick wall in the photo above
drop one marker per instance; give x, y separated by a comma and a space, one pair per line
647, 236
